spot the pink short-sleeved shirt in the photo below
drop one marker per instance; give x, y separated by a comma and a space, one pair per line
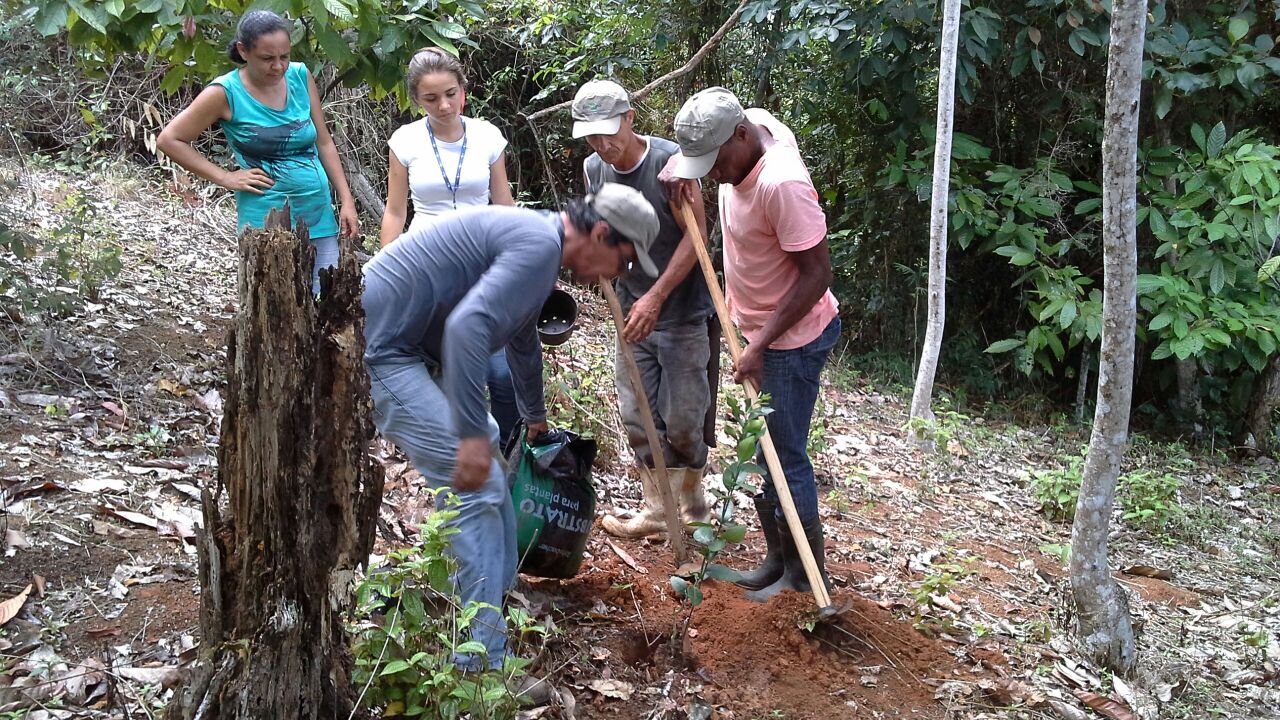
772, 212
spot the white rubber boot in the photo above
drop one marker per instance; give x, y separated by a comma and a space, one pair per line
649, 522
686, 485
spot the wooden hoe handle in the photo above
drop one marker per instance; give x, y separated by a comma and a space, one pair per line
779, 479
671, 513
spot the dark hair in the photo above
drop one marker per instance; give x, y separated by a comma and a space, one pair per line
583, 217
432, 60
254, 25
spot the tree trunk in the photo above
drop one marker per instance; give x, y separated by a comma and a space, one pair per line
764, 81
1263, 405
364, 191
1082, 381
1104, 627
922, 397
276, 570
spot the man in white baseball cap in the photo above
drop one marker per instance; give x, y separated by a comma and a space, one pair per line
777, 274
599, 108
669, 326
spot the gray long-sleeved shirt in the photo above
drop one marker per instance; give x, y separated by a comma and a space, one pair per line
453, 293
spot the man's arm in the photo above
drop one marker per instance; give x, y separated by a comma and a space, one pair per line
524, 356
812, 282
492, 307
644, 313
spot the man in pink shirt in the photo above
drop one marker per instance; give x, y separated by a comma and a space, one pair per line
778, 276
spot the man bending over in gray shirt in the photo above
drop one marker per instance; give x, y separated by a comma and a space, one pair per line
438, 302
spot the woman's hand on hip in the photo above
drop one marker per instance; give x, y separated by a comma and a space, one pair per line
252, 180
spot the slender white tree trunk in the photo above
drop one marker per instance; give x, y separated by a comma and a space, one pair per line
1104, 627
922, 397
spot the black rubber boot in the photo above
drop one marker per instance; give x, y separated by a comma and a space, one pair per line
793, 577
770, 568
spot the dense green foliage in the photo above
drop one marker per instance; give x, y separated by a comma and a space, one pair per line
364, 41
856, 80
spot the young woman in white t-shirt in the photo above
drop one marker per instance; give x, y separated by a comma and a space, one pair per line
446, 161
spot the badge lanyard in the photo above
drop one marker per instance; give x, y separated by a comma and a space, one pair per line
462, 154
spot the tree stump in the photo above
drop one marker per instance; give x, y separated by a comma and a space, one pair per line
302, 493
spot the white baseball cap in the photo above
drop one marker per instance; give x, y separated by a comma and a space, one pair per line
598, 108
705, 122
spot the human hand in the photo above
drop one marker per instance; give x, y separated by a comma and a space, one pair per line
678, 190
471, 465
252, 180
750, 366
348, 220
642, 318
533, 430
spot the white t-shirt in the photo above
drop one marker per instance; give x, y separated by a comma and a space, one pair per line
412, 145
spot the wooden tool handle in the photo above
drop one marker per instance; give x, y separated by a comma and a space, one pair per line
671, 512
776, 474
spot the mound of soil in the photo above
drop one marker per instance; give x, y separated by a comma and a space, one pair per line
765, 657
749, 659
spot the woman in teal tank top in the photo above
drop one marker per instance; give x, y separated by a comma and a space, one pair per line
269, 110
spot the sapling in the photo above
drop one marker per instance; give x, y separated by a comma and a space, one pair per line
746, 426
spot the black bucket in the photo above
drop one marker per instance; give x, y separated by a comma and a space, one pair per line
558, 317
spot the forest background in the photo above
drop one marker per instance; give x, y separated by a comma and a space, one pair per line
856, 80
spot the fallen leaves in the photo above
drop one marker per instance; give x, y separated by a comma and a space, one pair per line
626, 558
1148, 571
136, 518
11, 607
1105, 706
615, 689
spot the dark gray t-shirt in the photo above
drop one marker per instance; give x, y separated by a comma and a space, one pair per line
690, 301
453, 293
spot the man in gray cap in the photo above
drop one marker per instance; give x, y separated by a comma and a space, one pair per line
438, 302
777, 277
667, 317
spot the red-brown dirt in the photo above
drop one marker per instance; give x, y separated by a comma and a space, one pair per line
750, 659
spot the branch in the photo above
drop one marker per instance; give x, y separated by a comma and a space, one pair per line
679, 72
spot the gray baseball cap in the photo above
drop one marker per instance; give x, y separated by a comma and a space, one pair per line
705, 122
626, 211
598, 108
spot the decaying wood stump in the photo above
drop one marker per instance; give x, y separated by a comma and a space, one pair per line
302, 493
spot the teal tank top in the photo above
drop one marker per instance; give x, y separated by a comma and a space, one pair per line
282, 143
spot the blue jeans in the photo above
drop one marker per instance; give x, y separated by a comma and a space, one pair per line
326, 256
791, 379
673, 369
411, 410
502, 397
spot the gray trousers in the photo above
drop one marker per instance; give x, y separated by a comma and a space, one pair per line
412, 411
674, 369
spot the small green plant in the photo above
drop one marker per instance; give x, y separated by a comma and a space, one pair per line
1038, 631
1149, 500
583, 400
71, 261
1256, 638
1055, 550
1058, 490
943, 580
410, 625
945, 427
151, 441
818, 441
746, 426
